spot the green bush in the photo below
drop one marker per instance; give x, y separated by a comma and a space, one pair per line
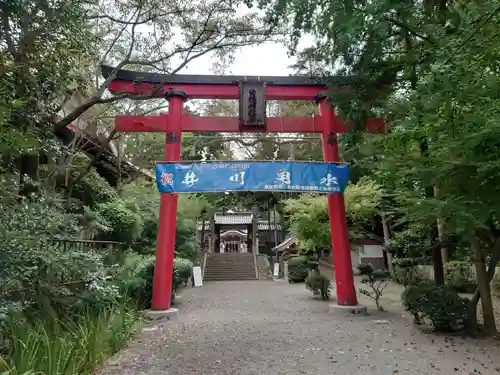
186, 245
126, 224
442, 306
298, 269
185, 267
319, 285
135, 279
459, 277
406, 272
93, 189
297, 260
408, 244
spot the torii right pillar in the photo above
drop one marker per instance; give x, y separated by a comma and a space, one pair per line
341, 250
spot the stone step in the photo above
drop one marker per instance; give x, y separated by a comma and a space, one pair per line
230, 273
208, 279
219, 267
229, 276
222, 270
229, 266
251, 265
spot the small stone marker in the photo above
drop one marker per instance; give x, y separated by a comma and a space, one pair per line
276, 273
198, 280
285, 270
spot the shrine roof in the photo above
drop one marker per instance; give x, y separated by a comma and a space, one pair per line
188, 79
237, 218
241, 233
289, 241
262, 225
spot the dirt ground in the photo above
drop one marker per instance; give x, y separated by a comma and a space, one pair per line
272, 327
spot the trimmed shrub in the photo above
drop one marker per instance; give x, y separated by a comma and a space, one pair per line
442, 306
126, 224
319, 285
298, 269
406, 272
459, 277
185, 267
377, 280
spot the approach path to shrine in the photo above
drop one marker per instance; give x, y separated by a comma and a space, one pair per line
266, 327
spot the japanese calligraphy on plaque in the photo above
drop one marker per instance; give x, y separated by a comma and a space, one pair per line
253, 104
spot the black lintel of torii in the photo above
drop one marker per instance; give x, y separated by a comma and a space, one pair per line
191, 79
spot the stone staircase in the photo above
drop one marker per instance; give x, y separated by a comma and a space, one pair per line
229, 266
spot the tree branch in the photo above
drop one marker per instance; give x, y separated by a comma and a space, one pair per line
410, 30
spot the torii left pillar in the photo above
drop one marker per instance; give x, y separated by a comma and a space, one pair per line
164, 266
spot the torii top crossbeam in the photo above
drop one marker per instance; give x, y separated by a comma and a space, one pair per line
219, 87
227, 87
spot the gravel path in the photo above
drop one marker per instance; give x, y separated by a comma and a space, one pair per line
266, 327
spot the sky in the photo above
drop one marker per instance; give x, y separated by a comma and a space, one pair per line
267, 59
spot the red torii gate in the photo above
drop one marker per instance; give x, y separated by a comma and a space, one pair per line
253, 91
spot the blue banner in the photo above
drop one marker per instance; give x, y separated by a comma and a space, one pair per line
251, 176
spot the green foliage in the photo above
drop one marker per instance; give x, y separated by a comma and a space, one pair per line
126, 224
411, 62
303, 212
459, 276
93, 189
32, 269
135, 278
495, 283
185, 267
408, 244
190, 208
445, 309
377, 280
145, 195
297, 269
407, 272
298, 260
319, 285
39, 67
310, 223
67, 347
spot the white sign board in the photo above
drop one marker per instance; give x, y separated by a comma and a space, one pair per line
198, 280
276, 272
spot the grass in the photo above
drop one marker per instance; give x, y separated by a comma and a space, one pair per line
71, 347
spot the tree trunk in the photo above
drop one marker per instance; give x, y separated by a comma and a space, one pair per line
437, 260
268, 232
28, 169
445, 252
211, 244
484, 286
387, 237
437, 264
202, 239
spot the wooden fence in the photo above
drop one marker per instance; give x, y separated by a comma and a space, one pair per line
68, 244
